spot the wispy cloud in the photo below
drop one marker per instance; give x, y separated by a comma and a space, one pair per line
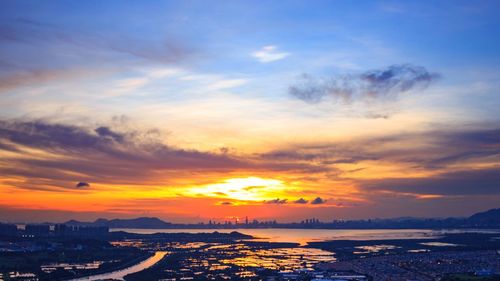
65, 154
226, 84
380, 84
455, 183
300, 201
431, 150
35, 52
269, 54
276, 201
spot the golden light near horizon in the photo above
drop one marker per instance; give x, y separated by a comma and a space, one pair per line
242, 189
179, 117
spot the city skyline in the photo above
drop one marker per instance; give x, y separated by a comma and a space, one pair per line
189, 113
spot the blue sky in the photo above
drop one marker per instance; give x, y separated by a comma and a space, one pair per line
254, 81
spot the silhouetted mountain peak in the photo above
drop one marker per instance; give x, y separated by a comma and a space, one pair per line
490, 215
142, 222
71, 222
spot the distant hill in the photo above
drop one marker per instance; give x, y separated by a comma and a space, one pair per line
143, 222
491, 217
487, 219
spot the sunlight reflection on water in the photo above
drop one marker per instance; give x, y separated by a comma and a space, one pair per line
119, 274
302, 236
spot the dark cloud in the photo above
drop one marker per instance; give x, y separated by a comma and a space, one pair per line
433, 149
301, 201
106, 155
374, 84
102, 154
317, 201
8, 147
107, 132
276, 201
226, 203
464, 182
82, 185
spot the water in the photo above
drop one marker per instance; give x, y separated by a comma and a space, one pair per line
119, 274
302, 236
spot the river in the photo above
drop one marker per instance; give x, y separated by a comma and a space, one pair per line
119, 274
301, 236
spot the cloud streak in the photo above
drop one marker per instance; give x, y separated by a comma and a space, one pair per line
269, 54
455, 183
276, 201
35, 52
103, 154
378, 84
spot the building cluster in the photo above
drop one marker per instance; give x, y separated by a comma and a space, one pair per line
236, 222
424, 266
310, 221
46, 230
80, 231
8, 229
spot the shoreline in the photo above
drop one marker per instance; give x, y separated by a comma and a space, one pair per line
129, 265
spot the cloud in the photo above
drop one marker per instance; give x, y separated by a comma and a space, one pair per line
101, 154
269, 53
82, 185
317, 201
19, 77
456, 183
35, 52
379, 84
107, 132
455, 161
254, 187
301, 201
374, 115
47, 156
276, 201
432, 150
226, 84
38, 33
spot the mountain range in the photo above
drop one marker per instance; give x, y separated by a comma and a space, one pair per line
487, 219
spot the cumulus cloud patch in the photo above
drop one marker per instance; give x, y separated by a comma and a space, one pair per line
317, 201
380, 84
107, 132
269, 53
82, 185
276, 201
301, 201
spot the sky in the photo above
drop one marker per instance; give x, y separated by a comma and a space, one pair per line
271, 110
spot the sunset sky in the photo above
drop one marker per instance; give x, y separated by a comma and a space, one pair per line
208, 110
